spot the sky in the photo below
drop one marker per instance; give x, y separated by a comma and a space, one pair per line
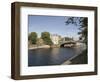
52, 24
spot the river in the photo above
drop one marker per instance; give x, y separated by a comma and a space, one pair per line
51, 56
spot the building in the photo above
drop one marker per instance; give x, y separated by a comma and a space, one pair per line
55, 38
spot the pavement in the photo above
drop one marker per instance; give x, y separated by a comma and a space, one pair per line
77, 59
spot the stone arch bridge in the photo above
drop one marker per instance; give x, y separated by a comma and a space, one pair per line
68, 44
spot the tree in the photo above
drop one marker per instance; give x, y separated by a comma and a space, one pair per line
40, 42
33, 37
46, 38
83, 23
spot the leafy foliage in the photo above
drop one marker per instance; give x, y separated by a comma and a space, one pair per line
33, 37
83, 23
46, 37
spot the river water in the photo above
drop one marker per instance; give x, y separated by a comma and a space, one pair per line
51, 56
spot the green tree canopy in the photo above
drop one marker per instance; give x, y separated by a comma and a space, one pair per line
46, 37
83, 23
33, 37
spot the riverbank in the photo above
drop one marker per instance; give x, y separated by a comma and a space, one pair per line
43, 46
38, 47
77, 59
80, 59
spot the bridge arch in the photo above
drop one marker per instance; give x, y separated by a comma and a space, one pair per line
68, 44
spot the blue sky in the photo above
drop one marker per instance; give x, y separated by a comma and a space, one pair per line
52, 24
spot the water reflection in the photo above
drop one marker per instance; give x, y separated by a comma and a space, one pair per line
51, 56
